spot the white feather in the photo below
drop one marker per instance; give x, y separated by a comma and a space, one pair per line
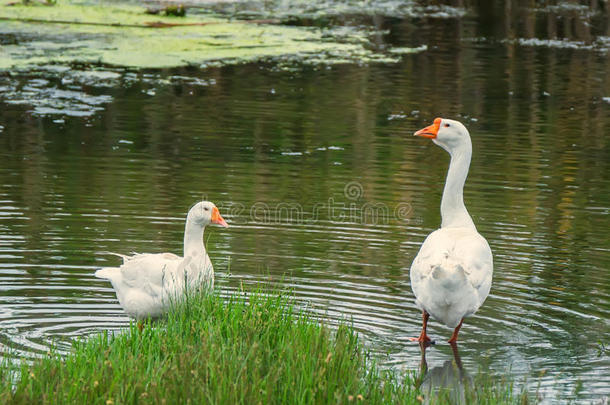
452, 273
147, 283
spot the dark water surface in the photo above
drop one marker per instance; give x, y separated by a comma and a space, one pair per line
328, 192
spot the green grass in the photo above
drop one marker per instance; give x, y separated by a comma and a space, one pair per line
215, 350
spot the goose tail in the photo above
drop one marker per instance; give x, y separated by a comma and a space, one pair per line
107, 273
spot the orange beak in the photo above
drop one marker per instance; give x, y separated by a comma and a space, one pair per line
217, 219
431, 130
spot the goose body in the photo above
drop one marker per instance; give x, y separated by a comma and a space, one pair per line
452, 273
146, 283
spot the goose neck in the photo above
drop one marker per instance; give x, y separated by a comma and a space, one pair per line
453, 210
193, 239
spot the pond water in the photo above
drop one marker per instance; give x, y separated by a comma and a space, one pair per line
326, 190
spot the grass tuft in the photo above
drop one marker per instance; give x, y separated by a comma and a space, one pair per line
216, 350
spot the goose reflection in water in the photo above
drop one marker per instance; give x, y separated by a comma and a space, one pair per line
449, 379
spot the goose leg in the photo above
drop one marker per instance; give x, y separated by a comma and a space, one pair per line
455, 332
140, 326
423, 337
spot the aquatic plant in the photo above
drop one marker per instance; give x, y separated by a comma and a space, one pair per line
177, 11
122, 34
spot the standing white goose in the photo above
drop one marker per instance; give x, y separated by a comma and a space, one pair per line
146, 283
451, 275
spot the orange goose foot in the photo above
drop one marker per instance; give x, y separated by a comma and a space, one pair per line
423, 338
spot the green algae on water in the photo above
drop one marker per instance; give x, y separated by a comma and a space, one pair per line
124, 35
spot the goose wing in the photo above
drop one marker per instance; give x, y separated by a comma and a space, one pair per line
150, 273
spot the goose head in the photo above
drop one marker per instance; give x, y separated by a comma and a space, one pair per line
449, 134
204, 213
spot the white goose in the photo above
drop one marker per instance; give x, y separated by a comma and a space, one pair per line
451, 275
146, 283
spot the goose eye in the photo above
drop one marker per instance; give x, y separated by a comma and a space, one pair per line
206, 208
447, 125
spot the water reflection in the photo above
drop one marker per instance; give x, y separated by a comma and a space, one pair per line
450, 378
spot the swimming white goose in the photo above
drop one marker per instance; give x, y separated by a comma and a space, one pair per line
146, 283
451, 275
